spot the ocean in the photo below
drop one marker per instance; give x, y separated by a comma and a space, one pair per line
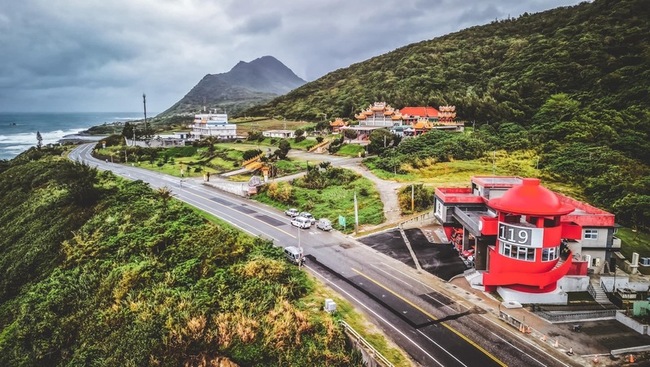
18, 130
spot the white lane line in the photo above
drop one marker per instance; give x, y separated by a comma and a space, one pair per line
439, 346
405, 282
349, 296
514, 346
534, 345
408, 276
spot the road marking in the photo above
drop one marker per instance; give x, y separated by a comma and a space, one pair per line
514, 346
376, 315
534, 345
469, 341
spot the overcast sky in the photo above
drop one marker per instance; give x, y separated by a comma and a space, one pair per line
101, 55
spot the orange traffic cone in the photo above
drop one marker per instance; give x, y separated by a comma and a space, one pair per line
596, 360
631, 358
529, 330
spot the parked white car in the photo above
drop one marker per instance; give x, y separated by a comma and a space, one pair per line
308, 216
293, 212
301, 222
324, 224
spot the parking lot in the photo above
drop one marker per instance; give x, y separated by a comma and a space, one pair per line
440, 260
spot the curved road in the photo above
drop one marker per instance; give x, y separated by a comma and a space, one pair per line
434, 329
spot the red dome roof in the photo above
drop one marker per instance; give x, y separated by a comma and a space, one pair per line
531, 198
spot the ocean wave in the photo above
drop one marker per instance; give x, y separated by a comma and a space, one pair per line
16, 148
29, 139
127, 118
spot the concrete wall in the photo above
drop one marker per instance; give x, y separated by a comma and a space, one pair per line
575, 283
631, 323
623, 282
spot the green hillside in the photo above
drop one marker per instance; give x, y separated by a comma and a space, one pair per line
98, 271
571, 84
598, 53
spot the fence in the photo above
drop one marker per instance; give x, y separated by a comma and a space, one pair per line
576, 315
371, 356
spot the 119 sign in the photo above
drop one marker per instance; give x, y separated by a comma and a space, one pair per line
521, 236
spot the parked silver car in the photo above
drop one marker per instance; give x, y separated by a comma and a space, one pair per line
292, 212
308, 216
324, 224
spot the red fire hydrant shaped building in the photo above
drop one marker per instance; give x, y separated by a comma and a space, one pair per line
527, 254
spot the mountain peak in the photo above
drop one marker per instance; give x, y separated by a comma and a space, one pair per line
263, 78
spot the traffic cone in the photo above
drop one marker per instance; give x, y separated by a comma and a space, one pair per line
631, 358
544, 337
529, 330
557, 343
570, 352
596, 360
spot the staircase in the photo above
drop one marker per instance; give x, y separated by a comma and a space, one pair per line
474, 278
598, 293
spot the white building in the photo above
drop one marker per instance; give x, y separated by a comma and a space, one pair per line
213, 124
284, 134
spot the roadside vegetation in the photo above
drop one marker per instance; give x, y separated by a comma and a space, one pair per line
328, 192
110, 272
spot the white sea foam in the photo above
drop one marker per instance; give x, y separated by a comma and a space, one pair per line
29, 139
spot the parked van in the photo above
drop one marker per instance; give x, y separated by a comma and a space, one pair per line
301, 222
294, 255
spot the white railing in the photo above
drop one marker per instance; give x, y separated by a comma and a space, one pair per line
373, 352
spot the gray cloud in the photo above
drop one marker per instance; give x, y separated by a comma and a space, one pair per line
98, 55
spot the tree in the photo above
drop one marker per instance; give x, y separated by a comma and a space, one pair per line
39, 140
283, 149
128, 131
379, 140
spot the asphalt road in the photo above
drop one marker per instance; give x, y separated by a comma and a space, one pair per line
433, 329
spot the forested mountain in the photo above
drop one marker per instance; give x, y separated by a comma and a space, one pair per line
98, 271
246, 84
504, 71
571, 83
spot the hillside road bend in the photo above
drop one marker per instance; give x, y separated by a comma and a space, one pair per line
432, 327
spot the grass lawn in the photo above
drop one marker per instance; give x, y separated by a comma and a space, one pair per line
336, 200
634, 241
247, 124
459, 173
351, 150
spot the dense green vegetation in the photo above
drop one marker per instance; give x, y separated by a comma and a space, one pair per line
327, 192
570, 83
105, 272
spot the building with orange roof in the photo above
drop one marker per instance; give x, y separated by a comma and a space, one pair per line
337, 124
412, 114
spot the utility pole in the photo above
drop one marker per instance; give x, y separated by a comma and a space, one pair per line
144, 102
412, 198
356, 213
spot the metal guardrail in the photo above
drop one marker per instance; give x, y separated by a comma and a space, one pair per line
591, 290
577, 316
374, 352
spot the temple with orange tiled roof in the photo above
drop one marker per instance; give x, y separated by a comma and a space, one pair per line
337, 124
412, 114
379, 115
